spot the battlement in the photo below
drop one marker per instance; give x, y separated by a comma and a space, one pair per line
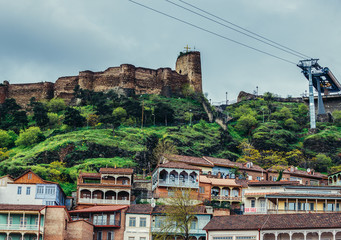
161, 81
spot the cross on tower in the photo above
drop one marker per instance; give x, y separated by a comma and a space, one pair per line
187, 48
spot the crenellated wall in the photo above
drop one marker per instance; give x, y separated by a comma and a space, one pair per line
163, 81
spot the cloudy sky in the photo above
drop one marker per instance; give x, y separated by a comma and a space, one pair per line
42, 40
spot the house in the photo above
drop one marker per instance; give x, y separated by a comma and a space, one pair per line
5, 179
171, 175
108, 221
29, 188
223, 191
334, 179
224, 167
290, 197
138, 222
326, 226
309, 177
22, 221
196, 228
109, 186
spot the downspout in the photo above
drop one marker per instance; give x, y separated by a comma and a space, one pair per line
207, 234
39, 217
258, 233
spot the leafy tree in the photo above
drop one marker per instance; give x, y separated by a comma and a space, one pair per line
56, 105
164, 113
245, 123
29, 137
3, 154
243, 110
291, 124
249, 153
92, 119
53, 119
295, 158
178, 216
323, 162
11, 117
283, 114
40, 114
7, 138
337, 118
163, 147
119, 116
73, 118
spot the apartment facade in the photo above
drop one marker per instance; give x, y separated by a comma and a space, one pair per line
109, 186
138, 222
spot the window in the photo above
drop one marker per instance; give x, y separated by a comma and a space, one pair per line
235, 193
28, 190
50, 190
245, 237
253, 203
36, 221
222, 238
10, 220
143, 222
99, 235
23, 221
112, 219
172, 177
50, 203
132, 221
40, 189
100, 220
125, 182
259, 178
19, 191
110, 236
291, 206
29, 176
142, 238
329, 207
201, 190
131, 238
274, 179
194, 224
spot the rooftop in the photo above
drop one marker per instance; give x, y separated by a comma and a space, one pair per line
117, 170
178, 165
197, 161
140, 209
275, 221
219, 181
112, 208
17, 207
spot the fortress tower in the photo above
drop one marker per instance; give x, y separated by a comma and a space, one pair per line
189, 64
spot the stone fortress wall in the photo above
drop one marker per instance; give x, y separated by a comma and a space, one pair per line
164, 81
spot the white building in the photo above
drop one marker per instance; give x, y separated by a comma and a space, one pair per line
138, 222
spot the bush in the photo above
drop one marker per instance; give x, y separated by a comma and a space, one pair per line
29, 137
53, 119
56, 105
7, 138
337, 118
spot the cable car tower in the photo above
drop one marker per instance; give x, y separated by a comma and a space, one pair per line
322, 79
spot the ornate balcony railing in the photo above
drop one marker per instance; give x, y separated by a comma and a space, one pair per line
226, 198
103, 201
28, 227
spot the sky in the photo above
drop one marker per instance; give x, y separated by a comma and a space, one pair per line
42, 40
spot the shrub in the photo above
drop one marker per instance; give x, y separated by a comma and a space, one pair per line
29, 137
7, 138
56, 105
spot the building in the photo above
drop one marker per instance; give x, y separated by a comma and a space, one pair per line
109, 186
138, 222
172, 175
224, 167
108, 221
4, 180
22, 221
226, 192
334, 179
309, 177
290, 197
196, 228
31, 189
312, 226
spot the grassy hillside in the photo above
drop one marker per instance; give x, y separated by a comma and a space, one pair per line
263, 131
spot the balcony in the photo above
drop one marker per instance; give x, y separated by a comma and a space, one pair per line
103, 201
163, 183
226, 198
255, 210
108, 223
29, 227
191, 231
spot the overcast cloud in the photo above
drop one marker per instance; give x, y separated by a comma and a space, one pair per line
42, 40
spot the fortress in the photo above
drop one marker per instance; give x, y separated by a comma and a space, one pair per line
164, 81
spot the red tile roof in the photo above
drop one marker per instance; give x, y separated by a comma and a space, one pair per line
178, 165
272, 183
117, 170
275, 221
140, 209
90, 175
196, 161
17, 207
111, 208
227, 163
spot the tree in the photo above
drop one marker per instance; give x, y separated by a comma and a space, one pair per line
163, 147
119, 116
323, 162
163, 113
337, 118
73, 118
179, 215
245, 123
40, 114
7, 138
11, 117
56, 105
29, 137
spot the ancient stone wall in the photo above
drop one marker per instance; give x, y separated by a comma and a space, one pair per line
163, 81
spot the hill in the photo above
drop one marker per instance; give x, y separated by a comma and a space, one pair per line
110, 134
